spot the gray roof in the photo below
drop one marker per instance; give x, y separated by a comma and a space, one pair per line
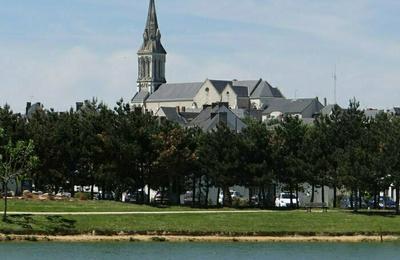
294, 106
326, 111
172, 114
140, 96
249, 84
176, 92
241, 91
264, 89
220, 84
210, 117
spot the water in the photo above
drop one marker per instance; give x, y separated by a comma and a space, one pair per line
99, 251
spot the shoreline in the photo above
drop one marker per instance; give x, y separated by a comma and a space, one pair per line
199, 239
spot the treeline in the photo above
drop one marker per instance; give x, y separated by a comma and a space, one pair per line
125, 150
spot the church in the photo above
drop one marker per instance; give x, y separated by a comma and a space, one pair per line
181, 102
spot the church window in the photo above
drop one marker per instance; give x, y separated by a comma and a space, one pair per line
207, 90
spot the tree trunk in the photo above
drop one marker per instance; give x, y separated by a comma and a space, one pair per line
250, 196
351, 200
148, 194
323, 193
194, 191
334, 197
312, 193
376, 198
356, 200
263, 196
360, 199
291, 197
218, 192
397, 199
297, 196
207, 193
5, 201
92, 192
200, 187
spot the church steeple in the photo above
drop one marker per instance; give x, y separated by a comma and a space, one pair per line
152, 55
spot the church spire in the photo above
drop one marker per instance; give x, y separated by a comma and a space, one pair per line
152, 35
152, 23
152, 55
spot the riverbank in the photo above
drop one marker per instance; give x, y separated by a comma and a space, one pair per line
200, 239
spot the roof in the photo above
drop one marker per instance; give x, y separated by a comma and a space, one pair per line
176, 92
396, 110
171, 114
241, 91
249, 84
292, 106
140, 96
326, 111
264, 89
220, 84
211, 116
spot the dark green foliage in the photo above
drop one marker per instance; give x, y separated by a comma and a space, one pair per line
123, 149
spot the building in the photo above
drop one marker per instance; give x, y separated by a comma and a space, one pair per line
154, 93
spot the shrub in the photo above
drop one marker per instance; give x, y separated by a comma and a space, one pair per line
82, 196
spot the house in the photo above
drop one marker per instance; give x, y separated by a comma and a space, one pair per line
217, 113
306, 109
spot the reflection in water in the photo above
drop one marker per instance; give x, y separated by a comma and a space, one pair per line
207, 251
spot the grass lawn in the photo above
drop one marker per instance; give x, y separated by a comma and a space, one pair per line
81, 206
263, 223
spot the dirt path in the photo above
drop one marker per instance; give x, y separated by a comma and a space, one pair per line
245, 239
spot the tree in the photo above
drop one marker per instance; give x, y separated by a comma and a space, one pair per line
289, 140
258, 157
16, 159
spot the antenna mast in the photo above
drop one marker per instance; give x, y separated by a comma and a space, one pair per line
334, 86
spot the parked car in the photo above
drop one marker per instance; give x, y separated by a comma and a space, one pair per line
161, 197
383, 203
283, 200
234, 195
188, 198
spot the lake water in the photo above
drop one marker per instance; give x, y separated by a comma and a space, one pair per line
98, 251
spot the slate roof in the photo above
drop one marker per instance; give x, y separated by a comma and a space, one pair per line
140, 96
264, 89
210, 117
293, 106
326, 111
175, 92
241, 91
171, 114
249, 84
220, 84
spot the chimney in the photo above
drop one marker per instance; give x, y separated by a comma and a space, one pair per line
325, 102
28, 106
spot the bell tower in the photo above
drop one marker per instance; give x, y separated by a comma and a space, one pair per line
151, 55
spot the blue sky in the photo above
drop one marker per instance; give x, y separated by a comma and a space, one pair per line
60, 52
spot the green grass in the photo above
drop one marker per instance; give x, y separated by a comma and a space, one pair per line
81, 206
265, 223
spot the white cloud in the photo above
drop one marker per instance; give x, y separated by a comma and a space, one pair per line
59, 78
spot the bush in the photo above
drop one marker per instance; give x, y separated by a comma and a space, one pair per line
82, 196
240, 203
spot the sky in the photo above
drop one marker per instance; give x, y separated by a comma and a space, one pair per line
64, 51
